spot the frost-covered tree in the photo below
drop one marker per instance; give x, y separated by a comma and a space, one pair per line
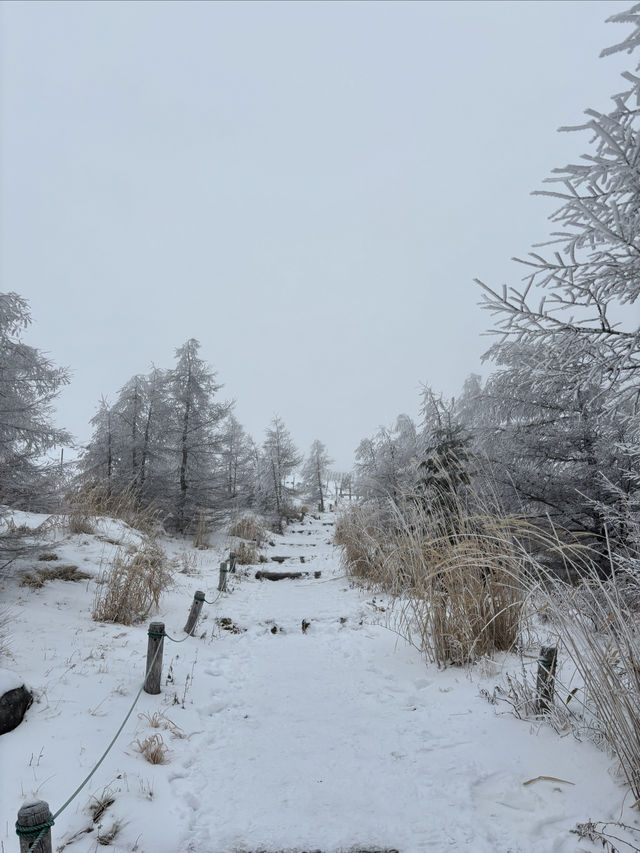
100, 456
163, 440
237, 451
555, 449
193, 435
575, 292
315, 471
385, 464
444, 468
279, 459
128, 450
571, 417
29, 383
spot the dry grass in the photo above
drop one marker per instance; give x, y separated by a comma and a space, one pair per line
158, 720
459, 593
468, 586
38, 577
249, 527
6, 621
154, 749
132, 585
92, 500
246, 554
108, 837
597, 627
46, 558
186, 563
201, 536
79, 524
101, 803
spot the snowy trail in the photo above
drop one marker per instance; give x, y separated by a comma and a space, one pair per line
341, 738
338, 739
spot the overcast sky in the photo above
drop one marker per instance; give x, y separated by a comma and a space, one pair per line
307, 188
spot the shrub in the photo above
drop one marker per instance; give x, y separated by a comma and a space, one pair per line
132, 585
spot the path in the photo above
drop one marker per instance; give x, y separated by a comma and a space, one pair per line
342, 738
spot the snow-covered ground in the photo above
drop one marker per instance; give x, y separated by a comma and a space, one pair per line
336, 738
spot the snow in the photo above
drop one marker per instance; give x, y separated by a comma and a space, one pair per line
9, 681
336, 739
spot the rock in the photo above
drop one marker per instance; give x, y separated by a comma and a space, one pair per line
13, 705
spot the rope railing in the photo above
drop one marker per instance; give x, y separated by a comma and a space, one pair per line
35, 819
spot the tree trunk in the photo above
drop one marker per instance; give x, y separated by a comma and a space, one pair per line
183, 467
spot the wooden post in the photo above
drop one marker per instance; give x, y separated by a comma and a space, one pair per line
222, 583
154, 657
194, 613
33, 827
546, 678
233, 558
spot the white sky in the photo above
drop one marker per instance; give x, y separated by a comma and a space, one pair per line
308, 188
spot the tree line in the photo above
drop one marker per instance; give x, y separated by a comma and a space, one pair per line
168, 440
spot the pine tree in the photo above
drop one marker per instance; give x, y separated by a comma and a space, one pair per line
29, 383
279, 460
193, 432
315, 471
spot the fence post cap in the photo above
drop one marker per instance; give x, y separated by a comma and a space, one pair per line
34, 816
548, 653
156, 629
199, 595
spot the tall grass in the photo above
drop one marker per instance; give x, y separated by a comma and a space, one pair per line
460, 591
473, 584
91, 500
596, 624
249, 527
132, 585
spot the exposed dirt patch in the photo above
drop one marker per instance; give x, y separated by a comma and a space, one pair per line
229, 625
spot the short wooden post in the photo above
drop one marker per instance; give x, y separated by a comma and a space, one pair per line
33, 827
222, 583
194, 613
545, 682
155, 648
233, 558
